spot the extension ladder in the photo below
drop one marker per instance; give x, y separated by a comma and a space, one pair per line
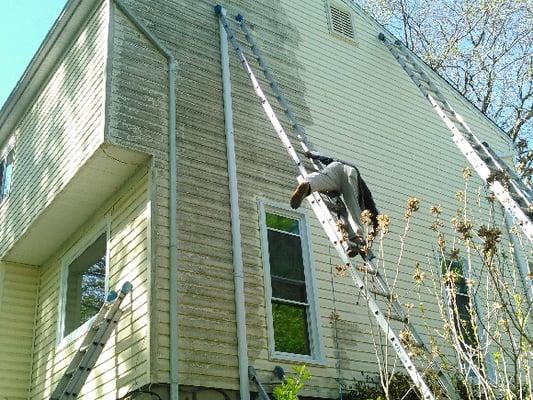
322, 206
106, 320
252, 374
511, 192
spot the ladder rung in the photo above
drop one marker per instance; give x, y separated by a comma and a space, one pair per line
397, 317
367, 269
381, 293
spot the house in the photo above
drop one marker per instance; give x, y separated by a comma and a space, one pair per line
115, 168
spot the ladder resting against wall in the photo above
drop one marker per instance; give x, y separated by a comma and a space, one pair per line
329, 210
509, 189
93, 344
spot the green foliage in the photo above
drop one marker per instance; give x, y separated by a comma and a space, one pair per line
371, 389
290, 328
292, 385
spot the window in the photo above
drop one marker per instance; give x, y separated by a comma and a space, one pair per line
340, 22
85, 284
6, 172
460, 302
291, 303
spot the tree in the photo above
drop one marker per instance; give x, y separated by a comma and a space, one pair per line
482, 338
484, 48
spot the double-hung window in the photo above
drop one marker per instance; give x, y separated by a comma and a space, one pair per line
291, 303
6, 171
460, 304
84, 283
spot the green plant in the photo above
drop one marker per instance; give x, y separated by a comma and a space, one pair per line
291, 386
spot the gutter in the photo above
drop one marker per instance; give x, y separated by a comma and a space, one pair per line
238, 270
172, 206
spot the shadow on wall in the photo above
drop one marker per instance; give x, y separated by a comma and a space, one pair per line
56, 131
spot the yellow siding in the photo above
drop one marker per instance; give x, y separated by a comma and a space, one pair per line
18, 292
355, 101
123, 365
59, 131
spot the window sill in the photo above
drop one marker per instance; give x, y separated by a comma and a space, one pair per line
75, 334
297, 358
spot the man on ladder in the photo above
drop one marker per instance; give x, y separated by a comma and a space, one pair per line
344, 178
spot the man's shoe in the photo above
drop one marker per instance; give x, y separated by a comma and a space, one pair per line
303, 190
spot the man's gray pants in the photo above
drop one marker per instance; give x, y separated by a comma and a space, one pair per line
344, 179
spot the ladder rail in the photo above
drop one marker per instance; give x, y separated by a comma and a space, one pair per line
265, 104
328, 222
278, 93
252, 374
467, 142
91, 347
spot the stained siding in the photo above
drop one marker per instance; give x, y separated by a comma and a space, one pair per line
354, 100
123, 365
18, 293
59, 131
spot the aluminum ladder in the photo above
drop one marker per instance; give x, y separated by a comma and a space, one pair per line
252, 374
106, 320
509, 189
332, 225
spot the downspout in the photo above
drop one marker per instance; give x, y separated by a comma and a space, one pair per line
238, 270
172, 205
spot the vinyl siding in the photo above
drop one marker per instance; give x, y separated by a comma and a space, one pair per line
18, 292
138, 118
123, 365
59, 131
355, 102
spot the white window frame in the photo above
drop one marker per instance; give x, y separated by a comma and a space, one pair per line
4, 152
475, 302
74, 252
313, 325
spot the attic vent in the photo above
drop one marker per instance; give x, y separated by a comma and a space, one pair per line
341, 22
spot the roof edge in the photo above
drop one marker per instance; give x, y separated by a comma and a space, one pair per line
357, 8
56, 42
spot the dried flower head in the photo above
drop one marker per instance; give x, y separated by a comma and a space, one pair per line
467, 173
334, 316
409, 306
491, 236
450, 277
497, 306
454, 253
406, 337
341, 270
418, 275
491, 197
441, 242
366, 217
436, 209
383, 222
499, 176
460, 195
413, 205
436, 225
464, 227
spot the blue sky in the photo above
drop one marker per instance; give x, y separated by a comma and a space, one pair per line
23, 26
